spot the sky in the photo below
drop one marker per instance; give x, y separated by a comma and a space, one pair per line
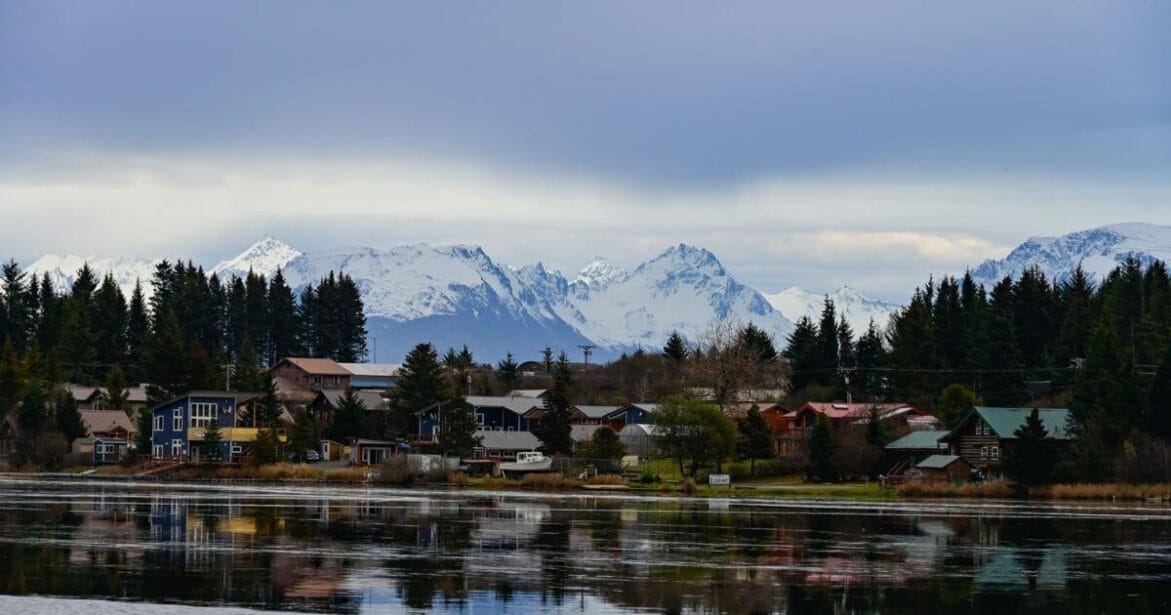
810, 144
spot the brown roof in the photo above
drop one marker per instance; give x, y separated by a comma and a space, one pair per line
104, 421
320, 367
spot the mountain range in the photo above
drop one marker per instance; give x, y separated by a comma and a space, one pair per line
455, 295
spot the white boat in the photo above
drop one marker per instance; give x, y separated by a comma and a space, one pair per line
528, 462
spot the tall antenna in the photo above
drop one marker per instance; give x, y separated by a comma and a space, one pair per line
587, 350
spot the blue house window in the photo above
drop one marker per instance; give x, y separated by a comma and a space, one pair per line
203, 414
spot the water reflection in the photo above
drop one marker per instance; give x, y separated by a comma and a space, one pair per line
350, 550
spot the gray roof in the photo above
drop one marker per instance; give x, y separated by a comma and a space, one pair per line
937, 462
596, 412
518, 405
508, 440
582, 433
527, 392
917, 440
384, 370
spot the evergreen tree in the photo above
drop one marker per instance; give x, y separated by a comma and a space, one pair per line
457, 430
1159, 418
201, 371
508, 373
421, 383
50, 308
828, 359
269, 408
758, 343
137, 331
755, 439
1103, 405
15, 317
822, 450
1030, 459
266, 448
115, 395
213, 439
303, 436
349, 419
554, 429
676, 347
282, 319
604, 444
167, 367
870, 357
875, 432
68, 417
144, 426
10, 379
802, 354
109, 322
78, 338
352, 322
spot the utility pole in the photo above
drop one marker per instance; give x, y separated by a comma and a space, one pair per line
587, 350
229, 369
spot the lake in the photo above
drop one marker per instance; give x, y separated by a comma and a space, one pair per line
110, 547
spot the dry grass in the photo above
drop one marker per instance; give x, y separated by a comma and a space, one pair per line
1106, 491
346, 475
499, 482
991, 489
548, 482
459, 478
606, 479
689, 487
664, 488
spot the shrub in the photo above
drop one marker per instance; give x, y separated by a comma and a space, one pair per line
398, 470
434, 476
664, 488
689, 487
459, 478
648, 477
50, 449
1144, 460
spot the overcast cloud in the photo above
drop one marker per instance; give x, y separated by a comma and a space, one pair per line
806, 145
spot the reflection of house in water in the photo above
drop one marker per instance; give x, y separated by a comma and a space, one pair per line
1017, 570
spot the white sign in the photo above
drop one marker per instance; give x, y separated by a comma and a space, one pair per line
719, 479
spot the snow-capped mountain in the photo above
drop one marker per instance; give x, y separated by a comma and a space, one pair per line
796, 303
454, 295
63, 270
1098, 250
264, 257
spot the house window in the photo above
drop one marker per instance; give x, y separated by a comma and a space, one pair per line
435, 432
983, 452
317, 381
156, 450
203, 414
177, 420
176, 448
480, 419
995, 452
158, 426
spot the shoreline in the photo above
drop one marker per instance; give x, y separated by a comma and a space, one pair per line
796, 491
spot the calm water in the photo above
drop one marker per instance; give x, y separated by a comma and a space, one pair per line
101, 548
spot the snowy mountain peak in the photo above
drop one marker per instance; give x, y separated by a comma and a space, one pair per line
264, 257
797, 303
684, 255
1097, 250
600, 273
62, 270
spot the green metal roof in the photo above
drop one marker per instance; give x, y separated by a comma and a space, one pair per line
1005, 421
917, 440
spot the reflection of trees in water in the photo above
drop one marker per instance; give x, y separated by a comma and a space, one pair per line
552, 542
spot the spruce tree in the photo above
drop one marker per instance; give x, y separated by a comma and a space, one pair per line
758, 343
352, 322
213, 439
15, 317
268, 409
604, 444
10, 379
349, 418
421, 383
676, 347
68, 418
457, 430
1030, 459
109, 322
802, 354
870, 355
167, 367
554, 429
822, 464
144, 426
303, 436
282, 319
1159, 417
115, 395
828, 357
507, 373
755, 439
137, 332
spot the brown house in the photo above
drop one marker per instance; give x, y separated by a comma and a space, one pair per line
942, 468
312, 374
796, 425
982, 435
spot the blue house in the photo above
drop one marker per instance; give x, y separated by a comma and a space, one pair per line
491, 414
631, 414
178, 425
